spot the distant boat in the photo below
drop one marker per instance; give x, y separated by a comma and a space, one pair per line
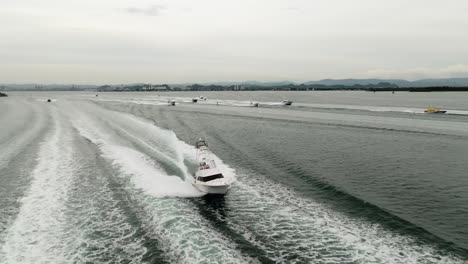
194, 100
202, 98
208, 178
3, 95
254, 104
287, 102
48, 100
171, 103
434, 111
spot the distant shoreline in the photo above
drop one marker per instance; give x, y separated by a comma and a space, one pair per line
424, 89
374, 85
369, 88
403, 89
197, 88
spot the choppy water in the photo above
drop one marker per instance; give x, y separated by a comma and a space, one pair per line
339, 177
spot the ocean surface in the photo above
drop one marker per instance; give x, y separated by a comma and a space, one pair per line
338, 177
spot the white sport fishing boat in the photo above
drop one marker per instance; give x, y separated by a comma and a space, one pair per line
208, 178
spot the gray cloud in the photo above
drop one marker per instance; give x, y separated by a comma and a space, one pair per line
154, 10
207, 40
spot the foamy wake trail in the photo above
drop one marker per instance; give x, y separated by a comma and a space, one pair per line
287, 226
411, 110
162, 100
101, 230
185, 237
20, 126
142, 101
36, 235
116, 139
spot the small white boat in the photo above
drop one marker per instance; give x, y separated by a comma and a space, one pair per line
208, 178
287, 102
202, 98
171, 102
254, 104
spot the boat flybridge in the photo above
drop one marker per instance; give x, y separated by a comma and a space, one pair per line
208, 178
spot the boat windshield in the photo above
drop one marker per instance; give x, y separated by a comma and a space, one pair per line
201, 143
210, 178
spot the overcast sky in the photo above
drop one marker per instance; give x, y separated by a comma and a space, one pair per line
175, 41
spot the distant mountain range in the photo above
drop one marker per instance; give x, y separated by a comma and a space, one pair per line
452, 82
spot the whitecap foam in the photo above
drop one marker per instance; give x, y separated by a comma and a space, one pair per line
284, 224
35, 236
162, 100
23, 133
141, 101
185, 236
46, 100
147, 173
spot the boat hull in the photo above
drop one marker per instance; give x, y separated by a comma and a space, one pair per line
436, 112
431, 110
221, 189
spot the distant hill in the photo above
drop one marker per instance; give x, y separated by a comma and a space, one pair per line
257, 83
350, 82
447, 82
453, 82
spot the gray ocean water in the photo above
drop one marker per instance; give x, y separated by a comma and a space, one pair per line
338, 177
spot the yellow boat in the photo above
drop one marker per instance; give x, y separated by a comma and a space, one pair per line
434, 111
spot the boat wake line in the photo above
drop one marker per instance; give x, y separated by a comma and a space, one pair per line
162, 101
141, 153
24, 124
36, 235
152, 170
289, 227
62, 220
